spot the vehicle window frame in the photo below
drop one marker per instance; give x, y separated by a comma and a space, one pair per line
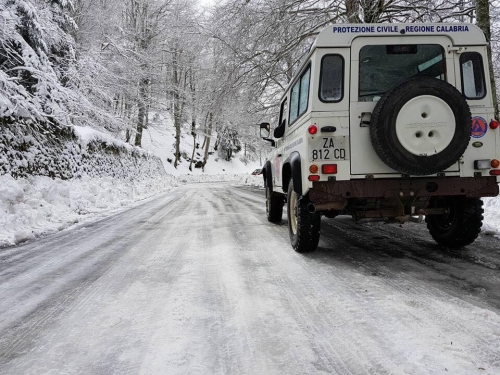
321, 79
482, 73
282, 111
299, 81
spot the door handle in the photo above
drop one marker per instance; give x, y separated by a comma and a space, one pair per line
365, 119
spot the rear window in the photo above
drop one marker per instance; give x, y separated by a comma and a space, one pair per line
384, 67
472, 71
331, 78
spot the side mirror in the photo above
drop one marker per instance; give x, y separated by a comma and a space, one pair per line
280, 130
265, 130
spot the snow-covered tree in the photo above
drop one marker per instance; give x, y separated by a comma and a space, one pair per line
37, 62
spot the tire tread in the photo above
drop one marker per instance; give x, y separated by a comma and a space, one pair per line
465, 230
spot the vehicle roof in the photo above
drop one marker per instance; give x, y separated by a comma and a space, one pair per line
342, 35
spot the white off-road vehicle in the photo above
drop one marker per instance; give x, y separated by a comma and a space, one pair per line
387, 121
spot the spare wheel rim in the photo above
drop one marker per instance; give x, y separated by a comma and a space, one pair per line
425, 125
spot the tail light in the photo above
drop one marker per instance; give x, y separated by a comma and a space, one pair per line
329, 168
313, 129
313, 169
495, 172
493, 124
495, 163
314, 177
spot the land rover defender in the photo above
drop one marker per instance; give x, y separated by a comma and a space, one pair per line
386, 122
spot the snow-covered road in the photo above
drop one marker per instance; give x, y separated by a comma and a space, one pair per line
198, 282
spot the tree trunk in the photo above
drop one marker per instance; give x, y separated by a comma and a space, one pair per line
352, 11
207, 139
483, 21
177, 124
178, 106
193, 133
372, 9
141, 114
192, 89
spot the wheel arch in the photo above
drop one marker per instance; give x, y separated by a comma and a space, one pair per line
292, 168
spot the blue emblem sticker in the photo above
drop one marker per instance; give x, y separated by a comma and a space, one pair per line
479, 127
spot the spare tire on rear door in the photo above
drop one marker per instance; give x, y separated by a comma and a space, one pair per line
421, 127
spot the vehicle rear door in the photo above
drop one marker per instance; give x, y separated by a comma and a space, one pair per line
379, 64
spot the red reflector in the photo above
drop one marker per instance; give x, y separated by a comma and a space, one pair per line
314, 178
493, 124
313, 129
329, 168
495, 172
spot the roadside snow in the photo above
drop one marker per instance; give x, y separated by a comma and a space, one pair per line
33, 207
491, 223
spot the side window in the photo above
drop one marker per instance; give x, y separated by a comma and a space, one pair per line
300, 96
472, 72
294, 102
331, 88
304, 91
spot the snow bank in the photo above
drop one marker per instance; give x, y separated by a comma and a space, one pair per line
71, 152
491, 223
39, 205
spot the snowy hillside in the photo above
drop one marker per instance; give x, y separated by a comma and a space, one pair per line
159, 138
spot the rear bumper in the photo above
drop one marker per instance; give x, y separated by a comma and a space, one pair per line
471, 187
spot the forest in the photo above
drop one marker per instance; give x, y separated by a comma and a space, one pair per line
114, 66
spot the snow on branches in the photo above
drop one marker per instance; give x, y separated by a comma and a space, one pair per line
36, 60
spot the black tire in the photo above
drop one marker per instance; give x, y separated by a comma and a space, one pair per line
274, 205
430, 143
461, 226
303, 226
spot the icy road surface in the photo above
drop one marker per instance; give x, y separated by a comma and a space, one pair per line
198, 282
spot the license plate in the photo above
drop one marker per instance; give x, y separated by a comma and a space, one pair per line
329, 148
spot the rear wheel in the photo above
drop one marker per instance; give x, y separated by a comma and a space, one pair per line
303, 226
461, 225
274, 205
